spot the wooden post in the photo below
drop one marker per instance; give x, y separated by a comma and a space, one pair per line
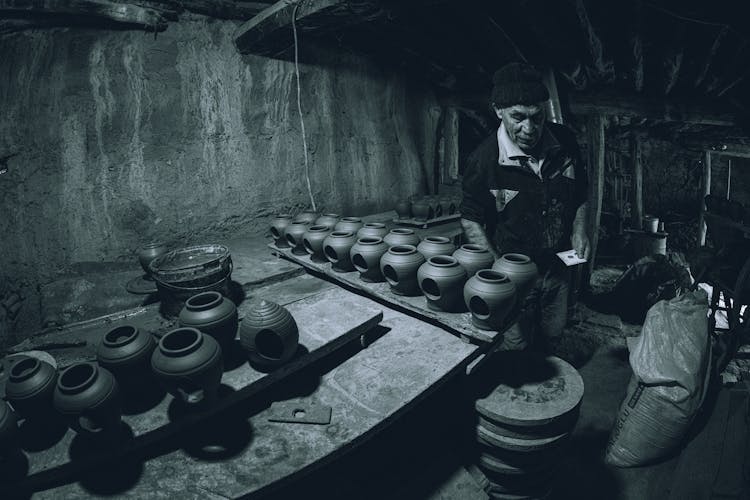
706, 189
595, 132
449, 147
636, 205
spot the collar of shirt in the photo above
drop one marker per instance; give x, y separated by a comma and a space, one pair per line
511, 154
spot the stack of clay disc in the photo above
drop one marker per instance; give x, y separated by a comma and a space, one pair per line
523, 426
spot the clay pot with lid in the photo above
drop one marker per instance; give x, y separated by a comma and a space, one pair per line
313, 239
189, 365
336, 249
401, 236
149, 252
352, 224
399, 266
442, 280
269, 334
474, 257
328, 219
89, 395
374, 229
422, 210
489, 295
521, 270
212, 314
403, 209
432, 246
365, 255
126, 352
30, 386
294, 233
8, 428
306, 216
278, 226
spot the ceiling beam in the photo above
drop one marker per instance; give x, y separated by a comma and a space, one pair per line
105, 9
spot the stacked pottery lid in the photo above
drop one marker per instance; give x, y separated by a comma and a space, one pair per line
524, 424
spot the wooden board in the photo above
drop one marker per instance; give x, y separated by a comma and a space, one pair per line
429, 222
457, 323
327, 320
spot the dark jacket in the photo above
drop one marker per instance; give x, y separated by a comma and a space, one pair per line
538, 221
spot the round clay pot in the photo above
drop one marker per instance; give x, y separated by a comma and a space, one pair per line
269, 334
126, 352
306, 216
433, 246
213, 314
441, 280
373, 229
313, 239
336, 249
422, 210
278, 226
89, 394
401, 236
352, 224
365, 255
149, 252
489, 295
403, 209
437, 208
294, 233
327, 220
399, 266
521, 270
8, 428
447, 204
474, 257
30, 386
189, 365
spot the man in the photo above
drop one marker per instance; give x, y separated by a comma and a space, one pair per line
524, 190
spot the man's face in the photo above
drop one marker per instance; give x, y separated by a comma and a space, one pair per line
524, 124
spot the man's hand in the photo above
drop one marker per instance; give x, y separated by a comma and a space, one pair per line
581, 244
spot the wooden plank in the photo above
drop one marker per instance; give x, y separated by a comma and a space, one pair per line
114, 11
705, 191
636, 192
449, 146
595, 132
327, 321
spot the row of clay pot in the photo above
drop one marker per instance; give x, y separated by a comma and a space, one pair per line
427, 207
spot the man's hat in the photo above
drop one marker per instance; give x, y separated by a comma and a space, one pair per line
518, 83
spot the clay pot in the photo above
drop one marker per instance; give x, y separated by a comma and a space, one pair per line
306, 216
313, 239
401, 236
447, 204
422, 210
8, 428
89, 394
294, 233
403, 209
269, 334
437, 208
489, 295
212, 314
521, 270
327, 220
432, 246
189, 365
278, 226
149, 252
473, 258
336, 249
399, 266
365, 255
352, 224
373, 229
441, 280
30, 386
126, 352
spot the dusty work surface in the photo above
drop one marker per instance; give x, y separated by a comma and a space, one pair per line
367, 392
327, 319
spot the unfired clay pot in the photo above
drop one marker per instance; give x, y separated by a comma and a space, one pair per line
306, 216
336, 249
189, 365
432, 246
437, 208
352, 224
474, 257
447, 204
399, 266
327, 220
30, 386
149, 252
401, 236
489, 295
403, 209
313, 239
365, 255
88, 394
442, 280
278, 225
422, 210
521, 270
294, 233
374, 229
269, 334
126, 352
213, 314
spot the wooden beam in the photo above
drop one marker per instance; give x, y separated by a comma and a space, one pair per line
705, 190
448, 147
595, 134
658, 110
636, 191
113, 11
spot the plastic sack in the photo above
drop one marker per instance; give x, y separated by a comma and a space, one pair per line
670, 362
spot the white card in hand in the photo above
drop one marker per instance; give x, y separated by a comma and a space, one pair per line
570, 258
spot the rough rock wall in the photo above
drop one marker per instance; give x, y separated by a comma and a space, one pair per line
121, 137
